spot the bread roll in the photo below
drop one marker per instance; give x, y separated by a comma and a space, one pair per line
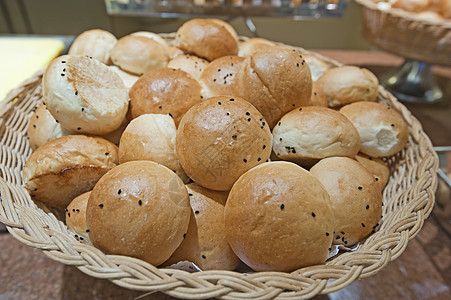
310, 133
128, 79
221, 138
66, 167
139, 54
43, 128
278, 218
377, 167
251, 45
205, 243
84, 95
164, 91
96, 43
411, 5
153, 36
347, 84
207, 38
217, 77
317, 66
151, 137
355, 196
318, 97
76, 216
274, 80
139, 209
191, 64
383, 131
174, 52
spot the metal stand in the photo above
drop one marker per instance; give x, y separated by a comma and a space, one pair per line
413, 82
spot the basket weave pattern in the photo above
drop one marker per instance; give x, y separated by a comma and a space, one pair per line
408, 200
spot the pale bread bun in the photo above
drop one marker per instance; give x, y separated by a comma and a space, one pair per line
153, 36
84, 95
76, 216
278, 218
128, 79
139, 209
383, 131
96, 43
207, 38
347, 84
43, 128
310, 133
66, 167
251, 45
191, 64
411, 5
318, 97
274, 80
317, 66
164, 91
377, 167
355, 197
151, 137
221, 138
173, 52
217, 77
139, 54
205, 243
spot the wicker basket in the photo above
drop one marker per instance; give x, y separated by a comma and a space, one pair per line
406, 34
408, 199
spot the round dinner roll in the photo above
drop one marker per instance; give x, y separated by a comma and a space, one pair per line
318, 97
217, 77
383, 131
377, 167
275, 80
207, 38
347, 84
43, 128
66, 167
355, 197
76, 216
139, 209
154, 36
164, 91
249, 46
278, 218
128, 79
221, 138
317, 66
205, 243
96, 43
191, 64
310, 133
84, 95
139, 54
151, 137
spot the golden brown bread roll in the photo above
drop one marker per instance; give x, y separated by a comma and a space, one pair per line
318, 97
411, 5
251, 45
191, 64
383, 131
221, 138
205, 243
355, 197
84, 95
139, 209
377, 167
96, 43
164, 91
278, 218
66, 167
76, 216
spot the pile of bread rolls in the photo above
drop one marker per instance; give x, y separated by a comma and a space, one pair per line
435, 10
210, 150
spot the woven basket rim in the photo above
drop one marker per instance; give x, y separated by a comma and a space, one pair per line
56, 241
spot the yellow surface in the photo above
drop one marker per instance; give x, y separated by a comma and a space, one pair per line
20, 58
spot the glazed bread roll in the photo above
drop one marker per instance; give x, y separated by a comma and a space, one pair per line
139, 209
96, 43
347, 84
164, 91
138, 54
251, 45
128, 79
278, 218
205, 243
151, 137
66, 167
207, 38
191, 64
275, 80
383, 131
310, 133
355, 196
76, 216
377, 167
318, 97
317, 66
221, 138
153, 36
84, 95
43, 128
217, 77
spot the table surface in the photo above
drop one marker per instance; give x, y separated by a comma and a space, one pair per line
423, 271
